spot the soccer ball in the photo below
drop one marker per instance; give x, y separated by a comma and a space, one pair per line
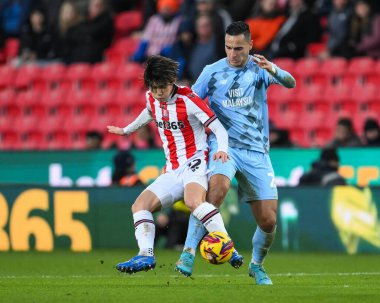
216, 248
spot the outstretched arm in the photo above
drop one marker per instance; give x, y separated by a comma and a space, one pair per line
222, 140
283, 77
143, 119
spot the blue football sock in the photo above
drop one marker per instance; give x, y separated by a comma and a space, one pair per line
195, 233
261, 242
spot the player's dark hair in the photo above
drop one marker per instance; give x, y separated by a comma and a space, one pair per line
237, 28
160, 72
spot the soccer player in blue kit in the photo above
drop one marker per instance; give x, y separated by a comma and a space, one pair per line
236, 89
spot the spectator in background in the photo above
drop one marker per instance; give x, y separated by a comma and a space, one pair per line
301, 28
13, 14
240, 9
94, 140
324, 172
367, 25
98, 31
143, 138
338, 28
37, 39
204, 50
264, 25
124, 171
371, 133
70, 33
160, 31
345, 135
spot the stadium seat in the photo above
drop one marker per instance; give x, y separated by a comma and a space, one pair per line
106, 102
32, 139
333, 97
299, 136
79, 76
103, 74
54, 75
288, 120
55, 101
7, 75
11, 48
316, 48
130, 74
308, 94
59, 139
280, 95
359, 68
331, 71
81, 101
10, 140
27, 76
373, 76
51, 123
322, 135
122, 50
126, 22
131, 98
362, 95
7, 103
287, 64
306, 68
30, 102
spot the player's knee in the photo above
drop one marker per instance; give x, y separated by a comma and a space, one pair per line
268, 224
216, 195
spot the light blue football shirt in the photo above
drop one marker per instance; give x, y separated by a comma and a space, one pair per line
238, 98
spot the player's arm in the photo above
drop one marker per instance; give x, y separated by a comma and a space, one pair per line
143, 119
282, 77
221, 138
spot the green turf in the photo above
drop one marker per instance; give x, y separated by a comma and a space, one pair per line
68, 277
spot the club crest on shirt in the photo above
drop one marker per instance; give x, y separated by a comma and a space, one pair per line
165, 113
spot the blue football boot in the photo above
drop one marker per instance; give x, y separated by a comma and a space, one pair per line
185, 264
258, 272
137, 263
236, 260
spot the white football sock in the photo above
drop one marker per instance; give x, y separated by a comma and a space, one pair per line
210, 217
144, 231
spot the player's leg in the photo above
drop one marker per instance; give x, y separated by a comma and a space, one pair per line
265, 212
158, 194
257, 185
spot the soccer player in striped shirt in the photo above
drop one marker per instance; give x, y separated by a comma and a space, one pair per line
181, 118
236, 89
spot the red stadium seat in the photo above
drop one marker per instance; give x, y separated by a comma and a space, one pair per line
299, 136
316, 48
322, 135
130, 74
280, 95
7, 103
79, 76
27, 76
59, 139
30, 102
306, 68
122, 50
11, 48
54, 74
373, 76
359, 69
55, 101
105, 101
33, 139
331, 71
10, 140
81, 101
333, 97
131, 98
287, 64
7, 75
126, 22
103, 74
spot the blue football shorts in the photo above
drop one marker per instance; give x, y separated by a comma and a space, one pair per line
253, 170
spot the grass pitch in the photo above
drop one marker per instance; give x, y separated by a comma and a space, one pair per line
71, 277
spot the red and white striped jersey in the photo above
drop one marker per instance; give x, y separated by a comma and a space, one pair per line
181, 123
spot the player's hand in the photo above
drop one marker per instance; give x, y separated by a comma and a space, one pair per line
222, 156
115, 130
262, 62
